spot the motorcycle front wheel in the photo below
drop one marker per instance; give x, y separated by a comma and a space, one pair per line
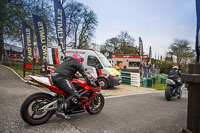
180, 94
30, 112
168, 93
96, 105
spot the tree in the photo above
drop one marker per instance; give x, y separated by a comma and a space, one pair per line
10, 16
166, 65
121, 44
127, 41
81, 24
155, 61
130, 50
13, 12
181, 51
113, 44
106, 48
81, 21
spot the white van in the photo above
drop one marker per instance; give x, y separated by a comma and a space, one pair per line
106, 74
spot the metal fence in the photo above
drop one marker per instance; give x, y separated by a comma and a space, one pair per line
27, 68
148, 72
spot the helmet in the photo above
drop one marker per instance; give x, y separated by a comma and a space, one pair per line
78, 57
175, 66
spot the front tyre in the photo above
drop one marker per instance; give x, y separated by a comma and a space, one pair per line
180, 94
168, 93
30, 112
96, 105
104, 84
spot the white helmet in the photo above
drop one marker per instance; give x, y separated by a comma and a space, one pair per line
175, 66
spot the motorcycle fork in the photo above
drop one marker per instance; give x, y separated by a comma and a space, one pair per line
91, 99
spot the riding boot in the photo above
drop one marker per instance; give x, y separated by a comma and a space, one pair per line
60, 110
74, 99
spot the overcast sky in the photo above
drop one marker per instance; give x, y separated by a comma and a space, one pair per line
157, 22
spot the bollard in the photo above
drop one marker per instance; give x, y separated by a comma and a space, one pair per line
193, 114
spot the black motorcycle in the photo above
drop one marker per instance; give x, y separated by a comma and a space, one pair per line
173, 89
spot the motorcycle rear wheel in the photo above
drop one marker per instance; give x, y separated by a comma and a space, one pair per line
96, 105
168, 93
30, 109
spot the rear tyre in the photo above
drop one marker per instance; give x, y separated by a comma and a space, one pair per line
96, 105
30, 112
104, 84
168, 93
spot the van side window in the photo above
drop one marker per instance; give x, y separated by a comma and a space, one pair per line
92, 61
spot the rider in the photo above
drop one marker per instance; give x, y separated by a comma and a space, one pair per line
175, 74
62, 76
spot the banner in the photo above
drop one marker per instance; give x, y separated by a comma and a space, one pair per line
41, 34
27, 42
60, 22
150, 54
197, 32
141, 49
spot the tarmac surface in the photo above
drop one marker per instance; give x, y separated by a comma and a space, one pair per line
141, 113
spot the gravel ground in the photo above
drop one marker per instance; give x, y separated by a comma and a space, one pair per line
126, 90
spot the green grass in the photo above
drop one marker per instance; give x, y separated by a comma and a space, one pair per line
19, 69
158, 85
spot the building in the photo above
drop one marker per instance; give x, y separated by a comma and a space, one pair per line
130, 62
12, 49
12, 53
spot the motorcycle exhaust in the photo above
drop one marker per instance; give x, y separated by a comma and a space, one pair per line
77, 111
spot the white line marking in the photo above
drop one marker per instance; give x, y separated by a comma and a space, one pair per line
14, 72
21, 77
139, 93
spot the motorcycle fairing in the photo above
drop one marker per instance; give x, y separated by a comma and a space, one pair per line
47, 83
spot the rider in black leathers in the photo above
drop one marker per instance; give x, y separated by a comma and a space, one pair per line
61, 78
175, 75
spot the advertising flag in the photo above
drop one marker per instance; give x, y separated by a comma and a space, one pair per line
27, 42
197, 31
60, 22
150, 54
141, 49
41, 34
161, 60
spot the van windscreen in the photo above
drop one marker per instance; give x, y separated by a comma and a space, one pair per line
104, 60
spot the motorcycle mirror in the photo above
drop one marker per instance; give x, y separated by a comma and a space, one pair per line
99, 66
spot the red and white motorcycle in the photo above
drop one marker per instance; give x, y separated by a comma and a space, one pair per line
39, 108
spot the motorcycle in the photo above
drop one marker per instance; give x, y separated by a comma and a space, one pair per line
173, 90
39, 107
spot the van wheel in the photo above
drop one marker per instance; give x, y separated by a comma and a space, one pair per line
104, 84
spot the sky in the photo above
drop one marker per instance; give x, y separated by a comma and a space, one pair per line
157, 22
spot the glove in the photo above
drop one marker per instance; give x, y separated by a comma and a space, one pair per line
93, 85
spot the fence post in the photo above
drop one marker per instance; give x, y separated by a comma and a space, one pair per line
33, 66
24, 71
193, 114
45, 73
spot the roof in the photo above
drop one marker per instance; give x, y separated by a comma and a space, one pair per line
13, 47
130, 56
